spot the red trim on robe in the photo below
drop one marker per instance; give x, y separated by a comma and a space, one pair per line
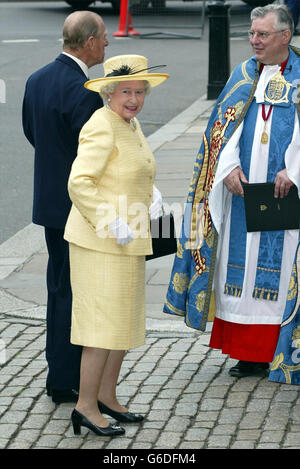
247, 342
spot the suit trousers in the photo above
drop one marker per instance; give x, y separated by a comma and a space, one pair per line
63, 358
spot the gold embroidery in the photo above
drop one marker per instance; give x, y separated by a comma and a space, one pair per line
195, 173
210, 239
201, 223
246, 80
265, 294
239, 108
287, 369
296, 337
274, 93
277, 361
180, 282
179, 250
292, 291
233, 290
236, 266
199, 195
174, 310
192, 281
200, 300
266, 269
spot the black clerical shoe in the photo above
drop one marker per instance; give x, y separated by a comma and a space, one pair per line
243, 369
124, 417
62, 395
79, 420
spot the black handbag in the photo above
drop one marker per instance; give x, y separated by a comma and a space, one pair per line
163, 235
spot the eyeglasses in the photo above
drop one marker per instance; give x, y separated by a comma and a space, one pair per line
263, 35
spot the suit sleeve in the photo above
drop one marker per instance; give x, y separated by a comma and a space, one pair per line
96, 145
27, 118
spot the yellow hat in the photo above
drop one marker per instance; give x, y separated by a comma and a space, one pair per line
126, 68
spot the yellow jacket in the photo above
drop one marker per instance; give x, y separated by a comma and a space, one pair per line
112, 176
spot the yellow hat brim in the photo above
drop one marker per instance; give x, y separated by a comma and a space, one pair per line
154, 79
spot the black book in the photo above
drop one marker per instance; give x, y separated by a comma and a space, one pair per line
265, 213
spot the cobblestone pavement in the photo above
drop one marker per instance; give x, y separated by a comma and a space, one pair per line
179, 383
182, 387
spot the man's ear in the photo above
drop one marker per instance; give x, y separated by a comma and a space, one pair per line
286, 34
90, 42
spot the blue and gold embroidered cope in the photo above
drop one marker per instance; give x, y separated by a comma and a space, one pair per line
190, 290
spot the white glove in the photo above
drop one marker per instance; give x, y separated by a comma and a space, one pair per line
156, 208
122, 232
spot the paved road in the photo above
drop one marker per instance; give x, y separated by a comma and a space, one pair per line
30, 37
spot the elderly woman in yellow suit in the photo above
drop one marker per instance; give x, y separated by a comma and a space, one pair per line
108, 230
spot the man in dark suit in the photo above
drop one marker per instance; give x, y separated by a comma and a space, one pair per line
56, 106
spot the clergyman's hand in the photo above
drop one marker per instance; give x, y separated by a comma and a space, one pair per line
282, 184
233, 181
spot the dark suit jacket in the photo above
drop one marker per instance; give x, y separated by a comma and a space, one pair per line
55, 107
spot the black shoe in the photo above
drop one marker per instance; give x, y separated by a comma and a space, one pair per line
62, 395
243, 369
124, 417
79, 420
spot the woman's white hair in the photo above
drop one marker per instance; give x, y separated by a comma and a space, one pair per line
110, 88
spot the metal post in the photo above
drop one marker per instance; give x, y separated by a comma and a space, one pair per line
219, 53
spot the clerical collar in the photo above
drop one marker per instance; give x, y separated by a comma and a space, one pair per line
282, 66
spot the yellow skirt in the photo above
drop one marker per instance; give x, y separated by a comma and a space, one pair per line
108, 308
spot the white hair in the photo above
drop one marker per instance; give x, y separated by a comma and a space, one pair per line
283, 17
